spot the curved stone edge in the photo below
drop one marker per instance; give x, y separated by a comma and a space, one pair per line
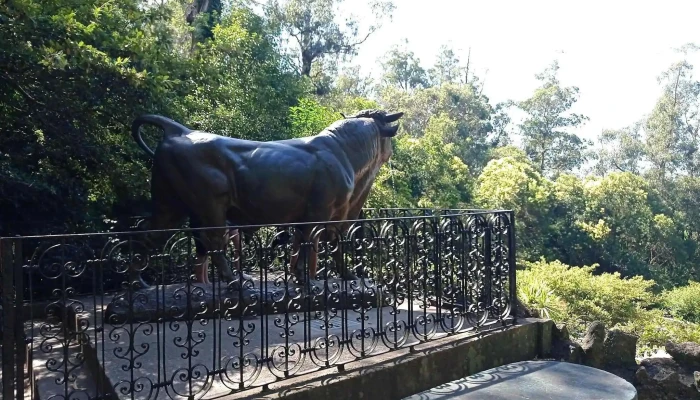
404, 372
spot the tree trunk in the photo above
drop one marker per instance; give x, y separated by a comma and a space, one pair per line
306, 61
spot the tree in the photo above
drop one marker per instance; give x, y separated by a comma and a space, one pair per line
471, 113
424, 172
313, 26
402, 69
68, 163
544, 130
447, 68
349, 85
620, 150
203, 15
673, 128
511, 184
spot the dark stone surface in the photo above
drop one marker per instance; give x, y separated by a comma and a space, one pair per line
620, 349
567, 350
593, 345
560, 332
540, 380
664, 379
170, 302
686, 354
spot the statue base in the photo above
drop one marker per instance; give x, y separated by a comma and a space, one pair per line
192, 301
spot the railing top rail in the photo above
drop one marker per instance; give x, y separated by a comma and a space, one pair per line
456, 212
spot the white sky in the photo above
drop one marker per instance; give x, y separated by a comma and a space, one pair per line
612, 50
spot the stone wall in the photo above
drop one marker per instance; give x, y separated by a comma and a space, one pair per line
671, 376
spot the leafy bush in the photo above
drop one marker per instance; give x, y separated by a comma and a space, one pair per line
654, 329
684, 302
540, 298
606, 297
577, 297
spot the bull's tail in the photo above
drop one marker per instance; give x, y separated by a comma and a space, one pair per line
170, 129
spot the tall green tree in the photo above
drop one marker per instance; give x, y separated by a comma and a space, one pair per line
545, 129
402, 69
512, 183
673, 127
472, 134
447, 68
68, 163
313, 25
620, 150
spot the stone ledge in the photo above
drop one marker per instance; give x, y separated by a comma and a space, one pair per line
408, 371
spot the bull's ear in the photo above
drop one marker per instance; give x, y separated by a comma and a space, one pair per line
389, 118
389, 131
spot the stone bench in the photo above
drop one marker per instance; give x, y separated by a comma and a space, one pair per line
541, 380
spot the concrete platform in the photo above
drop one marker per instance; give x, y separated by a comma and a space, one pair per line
536, 380
211, 358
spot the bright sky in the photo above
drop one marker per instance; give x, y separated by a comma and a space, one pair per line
613, 50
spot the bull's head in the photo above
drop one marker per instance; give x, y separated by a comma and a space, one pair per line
382, 119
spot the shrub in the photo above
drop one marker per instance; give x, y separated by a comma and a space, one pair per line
683, 302
654, 330
540, 298
606, 297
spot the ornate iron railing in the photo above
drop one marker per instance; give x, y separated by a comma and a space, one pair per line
394, 279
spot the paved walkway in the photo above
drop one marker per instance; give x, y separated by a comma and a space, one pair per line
536, 380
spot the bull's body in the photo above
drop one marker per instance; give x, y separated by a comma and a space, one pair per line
214, 179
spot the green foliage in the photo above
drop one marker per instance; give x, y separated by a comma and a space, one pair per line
577, 297
424, 172
469, 112
511, 184
309, 118
654, 330
546, 140
402, 69
538, 297
684, 302
314, 27
605, 297
72, 160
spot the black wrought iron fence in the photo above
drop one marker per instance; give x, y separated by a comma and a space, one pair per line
136, 315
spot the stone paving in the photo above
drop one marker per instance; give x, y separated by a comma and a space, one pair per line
210, 358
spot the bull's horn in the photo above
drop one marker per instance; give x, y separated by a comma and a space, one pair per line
392, 117
389, 131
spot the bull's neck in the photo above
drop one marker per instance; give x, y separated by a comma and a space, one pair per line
362, 154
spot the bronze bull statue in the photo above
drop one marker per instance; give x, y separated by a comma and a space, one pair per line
215, 180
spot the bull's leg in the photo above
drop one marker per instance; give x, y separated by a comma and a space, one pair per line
164, 217
313, 256
215, 241
201, 263
296, 254
235, 234
303, 258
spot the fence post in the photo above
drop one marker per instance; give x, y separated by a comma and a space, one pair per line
512, 268
8, 319
488, 265
20, 343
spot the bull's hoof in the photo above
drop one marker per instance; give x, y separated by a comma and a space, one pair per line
349, 276
139, 284
240, 281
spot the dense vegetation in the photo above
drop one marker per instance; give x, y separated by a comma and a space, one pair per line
76, 72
